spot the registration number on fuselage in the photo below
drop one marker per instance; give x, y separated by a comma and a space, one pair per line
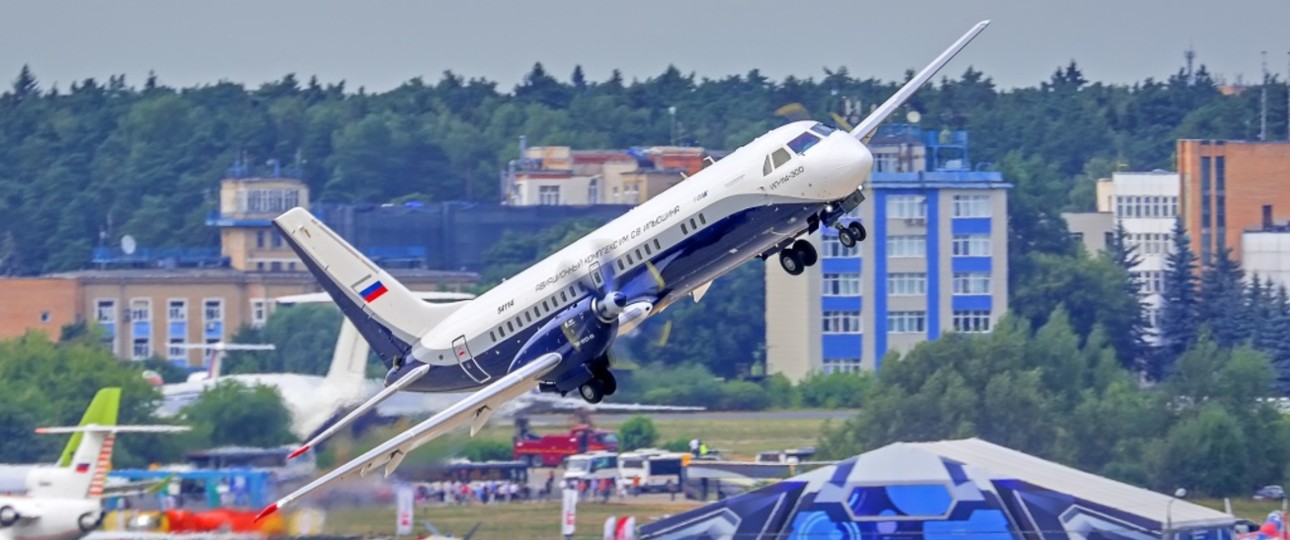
784, 179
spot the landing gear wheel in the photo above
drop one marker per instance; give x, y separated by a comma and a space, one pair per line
89, 521
791, 260
857, 229
846, 237
608, 382
8, 516
592, 391
809, 255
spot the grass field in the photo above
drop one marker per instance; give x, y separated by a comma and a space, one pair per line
1250, 509
503, 522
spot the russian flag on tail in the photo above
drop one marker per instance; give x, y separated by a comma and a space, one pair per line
82, 467
373, 291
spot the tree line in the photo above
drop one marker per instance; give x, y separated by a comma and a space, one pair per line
82, 165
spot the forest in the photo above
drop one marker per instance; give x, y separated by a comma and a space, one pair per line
84, 164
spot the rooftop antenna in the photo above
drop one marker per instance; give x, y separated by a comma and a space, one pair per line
1263, 101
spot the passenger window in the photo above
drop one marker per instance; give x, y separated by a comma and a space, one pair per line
620, 264
528, 318
702, 219
629, 259
766, 168
638, 253
545, 308
684, 230
492, 336
509, 328
536, 314
657, 245
647, 252
501, 332
563, 297
780, 157
573, 291
694, 225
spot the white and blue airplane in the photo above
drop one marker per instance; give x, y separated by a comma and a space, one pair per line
551, 326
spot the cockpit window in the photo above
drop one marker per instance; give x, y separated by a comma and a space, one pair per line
803, 142
822, 129
780, 157
766, 168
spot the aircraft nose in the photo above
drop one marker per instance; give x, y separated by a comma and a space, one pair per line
849, 160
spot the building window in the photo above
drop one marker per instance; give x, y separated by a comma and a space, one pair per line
259, 313
140, 310
836, 249
971, 283
907, 322
177, 310
971, 206
1149, 281
973, 321
213, 309
841, 322
971, 245
632, 193
842, 365
593, 191
846, 284
1149, 243
140, 350
907, 207
105, 311
259, 239
549, 195
174, 352
907, 246
271, 200
907, 284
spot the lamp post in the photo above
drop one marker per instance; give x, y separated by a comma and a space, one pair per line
1169, 518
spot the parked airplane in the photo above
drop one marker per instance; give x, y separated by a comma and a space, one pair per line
551, 326
64, 500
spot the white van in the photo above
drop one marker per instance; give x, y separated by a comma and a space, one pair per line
593, 466
653, 468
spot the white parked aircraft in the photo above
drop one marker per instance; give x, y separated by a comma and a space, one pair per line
65, 500
551, 326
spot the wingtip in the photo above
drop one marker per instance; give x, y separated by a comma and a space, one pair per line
267, 510
297, 453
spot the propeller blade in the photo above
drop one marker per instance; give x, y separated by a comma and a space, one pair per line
664, 334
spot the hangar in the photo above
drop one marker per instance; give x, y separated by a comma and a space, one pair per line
966, 489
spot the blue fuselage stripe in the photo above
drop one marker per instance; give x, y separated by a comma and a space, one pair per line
695, 260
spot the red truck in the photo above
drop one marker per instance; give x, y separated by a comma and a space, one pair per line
550, 450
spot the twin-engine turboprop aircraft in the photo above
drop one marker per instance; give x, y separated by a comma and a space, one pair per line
551, 326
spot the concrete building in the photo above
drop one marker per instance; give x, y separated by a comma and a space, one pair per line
1226, 187
935, 262
1095, 230
1147, 204
146, 301
1266, 253
562, 176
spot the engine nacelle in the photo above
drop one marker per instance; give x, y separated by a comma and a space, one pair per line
9, 516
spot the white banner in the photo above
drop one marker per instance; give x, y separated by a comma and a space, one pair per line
403, 511
569, 514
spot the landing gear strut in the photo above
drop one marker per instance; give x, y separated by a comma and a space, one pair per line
603, 383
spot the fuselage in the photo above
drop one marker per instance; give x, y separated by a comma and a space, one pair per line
55, 519
743, 206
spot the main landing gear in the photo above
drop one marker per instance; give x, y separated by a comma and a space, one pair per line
602, 384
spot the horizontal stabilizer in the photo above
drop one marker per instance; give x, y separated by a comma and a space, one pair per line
92, 428
866, 127
368, 405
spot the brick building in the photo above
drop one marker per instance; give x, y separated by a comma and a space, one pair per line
1229, 187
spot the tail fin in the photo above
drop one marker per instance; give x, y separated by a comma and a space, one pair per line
385, 312
82, 469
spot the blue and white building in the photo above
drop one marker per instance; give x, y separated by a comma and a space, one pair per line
935, 262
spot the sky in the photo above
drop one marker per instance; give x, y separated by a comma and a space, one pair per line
381, 44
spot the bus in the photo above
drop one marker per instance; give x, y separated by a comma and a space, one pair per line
650, 470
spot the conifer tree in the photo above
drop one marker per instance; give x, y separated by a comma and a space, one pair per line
1125, 256
1220, 303
1178, 320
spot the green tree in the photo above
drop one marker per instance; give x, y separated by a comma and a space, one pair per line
233, 414
637, 432
303, 336
835, 390
1179, 323
1220, 302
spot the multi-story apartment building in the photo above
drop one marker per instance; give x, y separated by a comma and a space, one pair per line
935, 262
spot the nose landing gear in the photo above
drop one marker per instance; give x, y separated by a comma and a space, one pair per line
852, 234
795, 258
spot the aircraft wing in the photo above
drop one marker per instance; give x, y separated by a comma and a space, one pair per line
475, 410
